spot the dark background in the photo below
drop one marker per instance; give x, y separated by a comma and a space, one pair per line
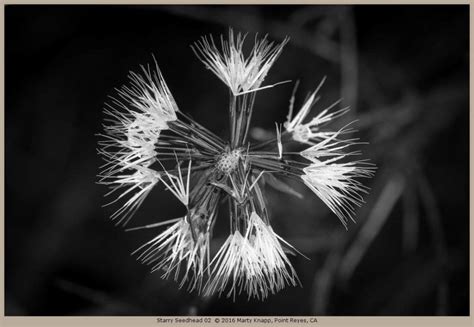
403, 70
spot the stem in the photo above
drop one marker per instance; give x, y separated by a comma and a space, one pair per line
241, 108
232, 112
249, 117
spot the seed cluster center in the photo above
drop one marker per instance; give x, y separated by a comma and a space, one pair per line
228, 161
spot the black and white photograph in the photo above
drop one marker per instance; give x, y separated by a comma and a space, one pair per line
236, 160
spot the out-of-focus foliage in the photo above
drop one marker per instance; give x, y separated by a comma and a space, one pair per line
402, 69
